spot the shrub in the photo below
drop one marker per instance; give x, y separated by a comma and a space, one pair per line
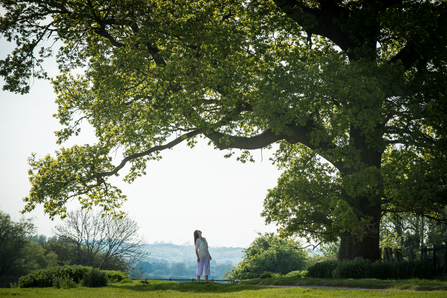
94, 278
381, 270
52, 276
76, 272
266, 275
323, 269
64, 282
116, 276
357, 268
360, 268
297, 274
58, 276
413, 269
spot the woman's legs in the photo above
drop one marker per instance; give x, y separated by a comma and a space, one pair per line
200, 268
207, 266
204, 264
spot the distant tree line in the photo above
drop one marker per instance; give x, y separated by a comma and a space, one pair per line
162, 252
181, 270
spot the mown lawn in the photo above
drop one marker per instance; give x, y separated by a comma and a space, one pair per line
412, 284
174, 289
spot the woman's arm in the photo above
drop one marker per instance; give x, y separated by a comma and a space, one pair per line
197, 254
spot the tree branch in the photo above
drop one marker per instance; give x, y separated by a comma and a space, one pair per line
257, 142
319, 21
149, 151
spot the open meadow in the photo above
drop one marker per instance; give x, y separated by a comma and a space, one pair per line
174, 289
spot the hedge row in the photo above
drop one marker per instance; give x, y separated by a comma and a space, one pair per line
360, 268
69, 276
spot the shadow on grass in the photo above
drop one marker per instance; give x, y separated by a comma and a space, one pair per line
192, 287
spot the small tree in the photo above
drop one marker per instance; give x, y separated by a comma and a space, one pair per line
101, 242
269, 253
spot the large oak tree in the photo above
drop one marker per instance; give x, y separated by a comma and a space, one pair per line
354, 92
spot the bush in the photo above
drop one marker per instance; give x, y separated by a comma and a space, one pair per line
266, 275
381, 270
357, 268
360, 268
52, 276
116, 276
94, 278
68, 276
297, 274
413, 269
323, 269
64, 282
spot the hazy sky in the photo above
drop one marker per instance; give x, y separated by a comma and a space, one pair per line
188, 189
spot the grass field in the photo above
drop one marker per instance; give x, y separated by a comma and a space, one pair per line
411, 285
174, 289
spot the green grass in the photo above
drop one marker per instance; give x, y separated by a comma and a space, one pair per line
412, 285
174, 289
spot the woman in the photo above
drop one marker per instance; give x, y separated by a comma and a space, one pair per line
203, 255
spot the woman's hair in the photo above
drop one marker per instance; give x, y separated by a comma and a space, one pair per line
196, 235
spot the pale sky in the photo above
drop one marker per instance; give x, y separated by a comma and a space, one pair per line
188, 189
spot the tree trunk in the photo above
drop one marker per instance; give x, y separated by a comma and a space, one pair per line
368, 203
352, 247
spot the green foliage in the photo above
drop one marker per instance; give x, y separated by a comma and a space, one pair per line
94, 278
62, 251
269, 254
35, 257
404, 231
70, 276
357, 268
63, 281
54, 276
297, 274
17, 255
413, 177
327, 252
116, 276
266, 275
323, 269
360, 268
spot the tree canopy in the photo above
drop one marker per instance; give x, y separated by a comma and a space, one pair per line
354, 93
